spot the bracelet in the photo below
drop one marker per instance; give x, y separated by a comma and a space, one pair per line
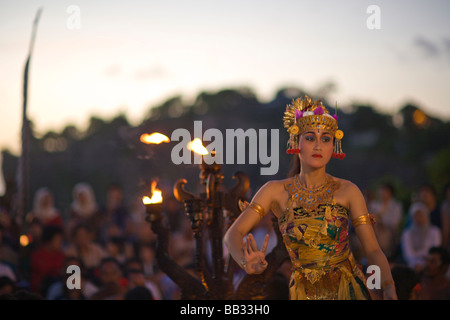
364, 219
257, 208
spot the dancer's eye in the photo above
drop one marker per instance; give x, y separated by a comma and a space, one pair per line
310, 137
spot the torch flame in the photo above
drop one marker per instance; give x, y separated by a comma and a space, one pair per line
197, 146
156, 195
154, 138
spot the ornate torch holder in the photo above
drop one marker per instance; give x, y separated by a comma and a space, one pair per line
153, 213
206, 214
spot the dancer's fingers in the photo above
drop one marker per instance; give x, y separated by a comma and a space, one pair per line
249, 247
253, 244
266, 243
245, 248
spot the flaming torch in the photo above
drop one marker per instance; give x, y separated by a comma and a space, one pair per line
153, 205
154, 138
206, 213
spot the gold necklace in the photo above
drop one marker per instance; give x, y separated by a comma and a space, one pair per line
310, 199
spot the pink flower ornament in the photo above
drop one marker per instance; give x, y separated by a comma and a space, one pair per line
298, 114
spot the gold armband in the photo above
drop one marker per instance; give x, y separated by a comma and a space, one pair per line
364, 219
258, 208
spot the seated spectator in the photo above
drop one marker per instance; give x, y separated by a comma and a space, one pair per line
112, 282
114, 214
427, 194
419, 237
138, 293
136, 278
146, 254
44, 209
116, 248
405, 279
388, 213
47, 261
60, 291
83, 246
182, 244
84, 209
433, 284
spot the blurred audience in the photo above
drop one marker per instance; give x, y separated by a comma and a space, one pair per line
112, 281
82, 245
59, 290
136, 278
114, 214
427, 194
146, 254
47, 260
44, 209
118, 248
139, 293
84, 209
115, 248
137, 230
8, 253
182, 244
433, 283
388, 213
406, 280
419, 237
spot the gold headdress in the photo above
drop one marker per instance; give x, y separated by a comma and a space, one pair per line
303, 115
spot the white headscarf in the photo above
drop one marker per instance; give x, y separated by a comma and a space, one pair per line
86, 209
41, 210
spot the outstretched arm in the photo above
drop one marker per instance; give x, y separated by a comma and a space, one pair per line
246, 253
366, 235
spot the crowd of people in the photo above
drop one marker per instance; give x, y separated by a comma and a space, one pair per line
115, 248
415, 240
110, 242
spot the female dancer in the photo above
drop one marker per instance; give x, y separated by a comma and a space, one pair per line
313, 210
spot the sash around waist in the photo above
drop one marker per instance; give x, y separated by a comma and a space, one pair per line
323, 262
342, 263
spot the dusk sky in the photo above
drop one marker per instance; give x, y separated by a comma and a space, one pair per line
105, 57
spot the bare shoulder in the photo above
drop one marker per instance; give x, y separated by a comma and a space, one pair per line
273, 195
347, 185
347, 192
274, 189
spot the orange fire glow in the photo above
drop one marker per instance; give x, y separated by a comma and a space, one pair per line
156, 195
197, 147
154, 138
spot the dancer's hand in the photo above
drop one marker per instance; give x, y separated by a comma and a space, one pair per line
255, 260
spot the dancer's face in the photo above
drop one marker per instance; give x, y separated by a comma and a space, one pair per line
316, 148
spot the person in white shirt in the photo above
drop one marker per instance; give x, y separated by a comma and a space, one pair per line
419, 237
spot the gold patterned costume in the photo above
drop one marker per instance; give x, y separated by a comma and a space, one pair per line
315, 231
